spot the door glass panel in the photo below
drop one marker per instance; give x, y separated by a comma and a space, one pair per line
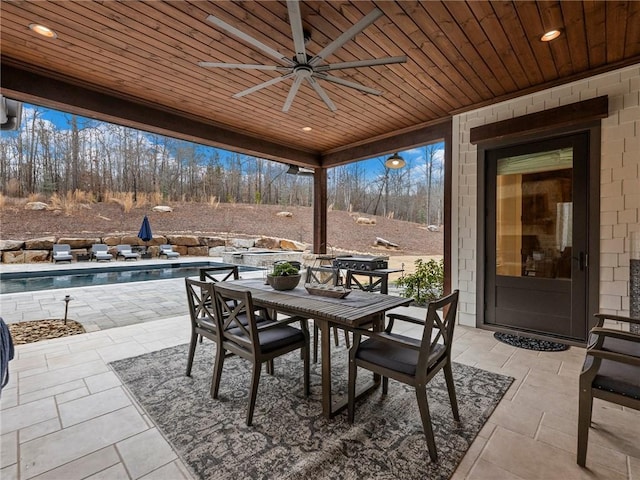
534, 214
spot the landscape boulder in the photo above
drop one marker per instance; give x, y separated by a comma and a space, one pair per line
112, 240
162, 208
13, 256
79, 242
44, 243
433, 228
365, 221
292, 245
36, 206
36, 256
11, 245
270, 243
242, 242
284, 214
132, 240
212, 241
184, 240
217, 251
198, 251
25, 256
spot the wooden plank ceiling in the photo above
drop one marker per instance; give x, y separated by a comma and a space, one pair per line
460, 55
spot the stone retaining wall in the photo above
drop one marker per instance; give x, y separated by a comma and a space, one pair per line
40, 249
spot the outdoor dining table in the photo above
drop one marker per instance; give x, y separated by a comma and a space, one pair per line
357, 310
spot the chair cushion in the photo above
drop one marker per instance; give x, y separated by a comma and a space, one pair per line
272, 338
396, 357
617, 377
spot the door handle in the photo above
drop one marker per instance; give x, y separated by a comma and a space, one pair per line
583, 260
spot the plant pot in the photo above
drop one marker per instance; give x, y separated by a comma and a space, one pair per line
288, 282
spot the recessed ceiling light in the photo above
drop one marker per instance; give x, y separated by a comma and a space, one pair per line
550, 35
42, 30
306, 129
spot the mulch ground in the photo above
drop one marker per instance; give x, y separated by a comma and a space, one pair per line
36, 330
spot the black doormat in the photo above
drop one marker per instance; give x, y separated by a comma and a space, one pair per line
530, 343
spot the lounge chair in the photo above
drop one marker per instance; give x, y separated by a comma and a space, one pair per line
62, 253
100, 252
167, 250
126, 253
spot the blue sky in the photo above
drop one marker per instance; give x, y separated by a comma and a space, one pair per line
414, 157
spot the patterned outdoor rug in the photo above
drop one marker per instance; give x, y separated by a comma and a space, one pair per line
530, 343
290, 439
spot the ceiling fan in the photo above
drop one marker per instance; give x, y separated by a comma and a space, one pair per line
303, 66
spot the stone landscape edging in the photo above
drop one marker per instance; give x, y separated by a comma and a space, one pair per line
40, 249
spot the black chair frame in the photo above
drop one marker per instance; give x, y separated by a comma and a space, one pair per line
430, 357
611, 372
242, 334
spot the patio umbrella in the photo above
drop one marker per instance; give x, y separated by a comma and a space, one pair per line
145, 230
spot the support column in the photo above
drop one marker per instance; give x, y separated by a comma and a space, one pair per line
320, 210
634, 280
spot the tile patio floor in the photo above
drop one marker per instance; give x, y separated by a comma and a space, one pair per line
65, 415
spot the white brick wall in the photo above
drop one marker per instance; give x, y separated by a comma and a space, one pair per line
619, 182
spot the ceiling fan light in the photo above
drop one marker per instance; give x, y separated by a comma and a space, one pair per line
395, 161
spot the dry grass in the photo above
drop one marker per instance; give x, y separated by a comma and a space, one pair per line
214, 202
124, 199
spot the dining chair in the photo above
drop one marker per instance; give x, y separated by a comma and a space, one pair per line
411, 361
202, 315
219, 273
324, 276
245, 334
368, 281
611, 372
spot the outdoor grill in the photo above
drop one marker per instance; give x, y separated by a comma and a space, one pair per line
364, 263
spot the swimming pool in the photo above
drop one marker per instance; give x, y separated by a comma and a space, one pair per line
17, 282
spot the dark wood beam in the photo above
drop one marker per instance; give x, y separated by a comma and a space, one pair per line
320, 211
41, 89
565, 116
398, 141
448, 195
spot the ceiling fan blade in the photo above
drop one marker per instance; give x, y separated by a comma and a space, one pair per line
364, 22
249, 39
295, 19
322, 94
260, 86
348, 83
292, 93
245, 66
361, 63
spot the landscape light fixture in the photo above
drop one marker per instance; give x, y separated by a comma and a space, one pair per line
395, 161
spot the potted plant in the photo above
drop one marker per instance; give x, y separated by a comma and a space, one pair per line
284, 276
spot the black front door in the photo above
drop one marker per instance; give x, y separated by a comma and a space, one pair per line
536, 237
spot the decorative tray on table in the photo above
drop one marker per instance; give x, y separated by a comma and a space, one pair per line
326, 290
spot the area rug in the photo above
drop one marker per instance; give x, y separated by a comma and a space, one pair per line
290, 439
530, 343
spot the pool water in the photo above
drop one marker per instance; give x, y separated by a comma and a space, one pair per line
54, 279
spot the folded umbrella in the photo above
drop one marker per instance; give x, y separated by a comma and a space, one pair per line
145, 230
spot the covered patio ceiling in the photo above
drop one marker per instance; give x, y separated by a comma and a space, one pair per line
136, 64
